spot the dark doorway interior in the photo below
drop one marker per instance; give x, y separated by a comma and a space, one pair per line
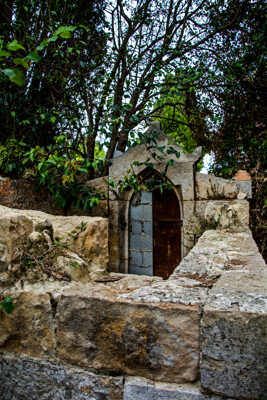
166, 233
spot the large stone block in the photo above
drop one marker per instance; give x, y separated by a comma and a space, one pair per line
137, 388
234, 337
209, 187
218, 251
179, 291
85, 236
232, 216
31, 379
157, 341
14, 233
29, 329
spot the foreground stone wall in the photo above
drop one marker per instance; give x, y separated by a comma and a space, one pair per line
201, 335
37, 246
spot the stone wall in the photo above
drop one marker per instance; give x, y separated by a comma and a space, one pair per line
35, 245
200, 335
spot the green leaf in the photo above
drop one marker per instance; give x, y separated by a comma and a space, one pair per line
15, 75
42, 45
82, 169
33, 56
4, 53
21, 61
8, 305
65, 31
65, 35
14, 46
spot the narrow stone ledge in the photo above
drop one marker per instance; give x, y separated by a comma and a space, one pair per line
217, 252
143, 389
30, 379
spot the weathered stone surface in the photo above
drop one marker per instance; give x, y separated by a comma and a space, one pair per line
73, 265
21, 194
157, 341
234, 336
209, 187
140, 153
137, 388
128, 283
86, 236
29, 329
195, 223
31, 379
14, 232
233, 216
217, 251
170, 291
245, 187
34, 230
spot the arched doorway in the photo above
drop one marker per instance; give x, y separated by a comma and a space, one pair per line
154, 233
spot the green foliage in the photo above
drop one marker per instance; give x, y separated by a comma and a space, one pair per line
175, 119
240, 139
11, 158
46, 51
8, 305
63, 172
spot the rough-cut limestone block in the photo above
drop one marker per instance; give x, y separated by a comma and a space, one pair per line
234, 337
86, 236
137, 388
209, 187
14, 232
245, 187
219, 251
29, 329
157, 341
131, 282
202, 215
179, 291
73, 265
231, 216
32, 379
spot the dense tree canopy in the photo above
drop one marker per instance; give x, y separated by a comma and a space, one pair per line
103, 81
54, 96
77, 78
240, 139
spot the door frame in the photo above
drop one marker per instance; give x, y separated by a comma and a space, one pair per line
124, 208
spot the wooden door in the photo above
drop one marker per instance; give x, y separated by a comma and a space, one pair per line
166, 233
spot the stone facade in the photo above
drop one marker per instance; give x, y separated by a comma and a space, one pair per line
205, 201
199, 335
